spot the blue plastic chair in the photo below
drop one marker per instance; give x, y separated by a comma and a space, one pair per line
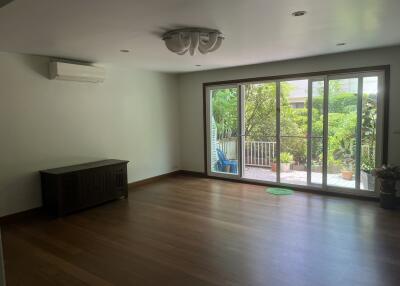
223, 162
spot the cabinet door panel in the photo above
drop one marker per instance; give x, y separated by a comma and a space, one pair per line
70, 193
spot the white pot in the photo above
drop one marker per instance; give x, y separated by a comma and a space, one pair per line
367, 181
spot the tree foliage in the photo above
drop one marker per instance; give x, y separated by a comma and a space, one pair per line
260, 121
225, 112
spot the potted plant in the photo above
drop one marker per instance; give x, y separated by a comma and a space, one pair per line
367, 179
286, 160
345, 155
273, 166
347, 167
387, 175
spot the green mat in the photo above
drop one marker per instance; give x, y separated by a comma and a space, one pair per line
279, 191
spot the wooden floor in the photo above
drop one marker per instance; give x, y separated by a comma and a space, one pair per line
194, 231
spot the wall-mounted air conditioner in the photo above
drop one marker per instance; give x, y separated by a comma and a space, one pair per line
76, 72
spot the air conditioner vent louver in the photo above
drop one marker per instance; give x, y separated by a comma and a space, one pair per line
76, 72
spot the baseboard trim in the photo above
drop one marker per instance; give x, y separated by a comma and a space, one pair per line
20, 215
192, 173
152, 179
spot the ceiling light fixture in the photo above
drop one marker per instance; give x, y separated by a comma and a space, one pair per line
298, 13
125, 51
340, 44
190, 40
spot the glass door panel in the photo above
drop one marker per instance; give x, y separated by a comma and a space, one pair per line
223, 131
293, 131
260, 131
317, 131
368, 131
342, 132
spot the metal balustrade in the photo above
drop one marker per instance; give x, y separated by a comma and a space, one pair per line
256, 153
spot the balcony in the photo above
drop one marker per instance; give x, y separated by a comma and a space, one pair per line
259, 165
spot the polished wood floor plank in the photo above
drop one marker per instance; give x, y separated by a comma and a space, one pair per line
184, 230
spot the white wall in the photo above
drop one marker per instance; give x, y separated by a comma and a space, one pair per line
133, 115
191, 97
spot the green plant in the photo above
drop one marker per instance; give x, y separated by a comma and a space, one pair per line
225, 112
345, 154
286, 157
368, 164
348, 162
388, 175
387, 172
368, 132
260, 122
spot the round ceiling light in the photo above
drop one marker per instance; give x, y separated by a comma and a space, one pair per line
190, 40
298, 13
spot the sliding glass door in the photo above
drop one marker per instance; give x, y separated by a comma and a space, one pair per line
370, 129
259, 124
323, 132
316, 115
223, 129
353, 124
342, 131
293, 118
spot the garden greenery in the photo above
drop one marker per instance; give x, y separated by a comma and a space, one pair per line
260, 122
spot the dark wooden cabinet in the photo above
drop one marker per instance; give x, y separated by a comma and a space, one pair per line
72, 188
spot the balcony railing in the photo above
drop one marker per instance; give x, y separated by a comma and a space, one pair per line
259, 153
256, 153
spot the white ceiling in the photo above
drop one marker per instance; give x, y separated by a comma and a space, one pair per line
256, 30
